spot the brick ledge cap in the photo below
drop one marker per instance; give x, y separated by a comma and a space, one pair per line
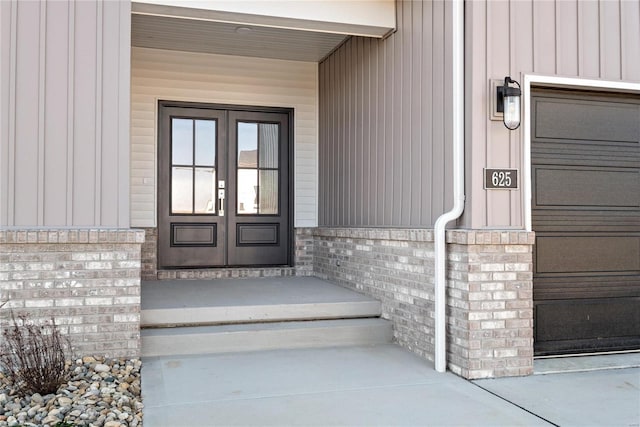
40, 235
373, 233
491, 237
455, 236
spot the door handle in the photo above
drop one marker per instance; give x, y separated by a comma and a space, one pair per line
221, 198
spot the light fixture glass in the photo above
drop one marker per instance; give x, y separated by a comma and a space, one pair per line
510, 103
511, 117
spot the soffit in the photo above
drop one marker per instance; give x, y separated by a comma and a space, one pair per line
192, 35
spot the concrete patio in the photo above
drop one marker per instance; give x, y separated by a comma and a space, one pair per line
372, 385
302, 351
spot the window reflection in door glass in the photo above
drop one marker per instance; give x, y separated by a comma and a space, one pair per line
205, 142
247, 145
182, 141
205, 190
247, 191
268, 192
181, 190
268, 138
258, 174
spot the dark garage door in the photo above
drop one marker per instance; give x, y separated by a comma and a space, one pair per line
585, 151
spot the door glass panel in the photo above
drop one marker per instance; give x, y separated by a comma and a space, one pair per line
268, 145
205, 201
247, 145
247, 191
181, 190
268, 204
205, 143
182, 141
258, 173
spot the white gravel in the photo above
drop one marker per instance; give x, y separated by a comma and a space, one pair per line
100, 393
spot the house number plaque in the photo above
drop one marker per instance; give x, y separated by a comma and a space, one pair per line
500, 179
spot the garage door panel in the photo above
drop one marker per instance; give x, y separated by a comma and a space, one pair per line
585, 155
579, 120
588, 320
568, 220
585, 286
582, 188
558, 151
587, 254
624, 159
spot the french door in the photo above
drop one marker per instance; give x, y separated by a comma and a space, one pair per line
223, 187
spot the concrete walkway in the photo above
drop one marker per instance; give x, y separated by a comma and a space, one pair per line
376, 385
590, 398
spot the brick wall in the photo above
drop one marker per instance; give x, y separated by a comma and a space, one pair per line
303, 258
88, 279
150, 254
394, 266
489, 298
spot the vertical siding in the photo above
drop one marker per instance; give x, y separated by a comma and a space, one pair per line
221, 79
499, 151
568, 38
85, 112
64, 96
384, 124
27, 100
56, 119
7, 17
566, 30
630, 44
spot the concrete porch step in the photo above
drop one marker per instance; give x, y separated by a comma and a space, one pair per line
265, 336
182, 317
227, 301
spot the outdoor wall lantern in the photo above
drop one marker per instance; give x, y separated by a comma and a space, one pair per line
508, 103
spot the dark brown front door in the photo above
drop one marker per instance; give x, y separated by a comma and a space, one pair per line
586, 214
223, 193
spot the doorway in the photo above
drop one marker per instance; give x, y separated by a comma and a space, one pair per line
223, 186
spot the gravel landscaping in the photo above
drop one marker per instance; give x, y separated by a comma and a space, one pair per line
100, 393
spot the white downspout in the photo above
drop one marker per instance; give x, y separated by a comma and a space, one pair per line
440, 256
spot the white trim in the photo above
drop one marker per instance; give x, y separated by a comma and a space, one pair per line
367, 18
440, 244
555, 82
316, 150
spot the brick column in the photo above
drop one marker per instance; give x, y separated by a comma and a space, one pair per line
87, 279
303, 256
490, 298
150, 254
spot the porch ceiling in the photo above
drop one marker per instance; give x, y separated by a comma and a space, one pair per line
192, 35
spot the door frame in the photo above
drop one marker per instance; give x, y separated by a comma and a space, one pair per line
162, 103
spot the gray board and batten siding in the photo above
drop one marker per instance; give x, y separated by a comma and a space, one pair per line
64, 113
385, 124
584, 39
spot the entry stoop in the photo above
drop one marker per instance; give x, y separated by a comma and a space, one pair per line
181, 317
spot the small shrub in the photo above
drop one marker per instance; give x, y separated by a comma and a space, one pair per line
32, 355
